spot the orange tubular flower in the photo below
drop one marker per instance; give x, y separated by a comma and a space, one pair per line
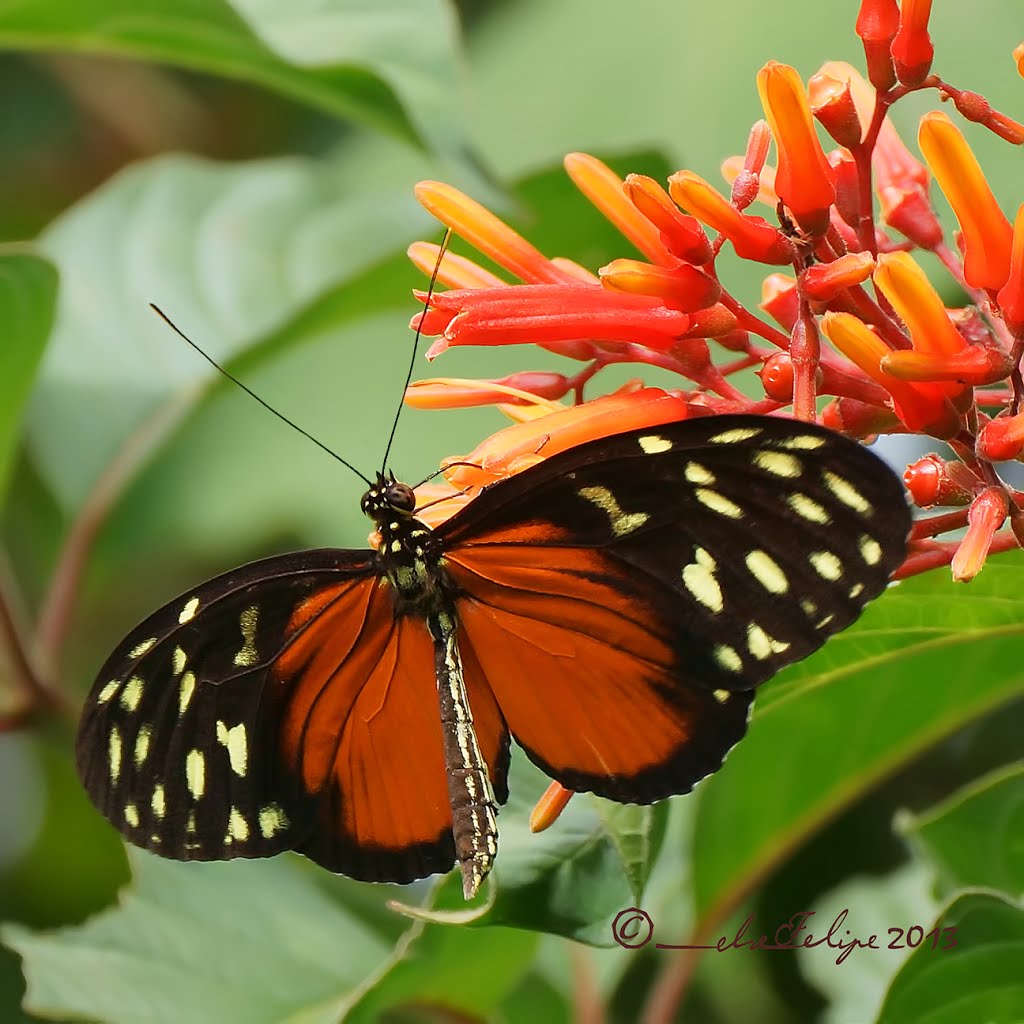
928, 413
531, 388
1002, 438
545, 314
877, 24
832, 104
683, 287
524, 444
603, 187
555, 799
824, 281
683, 236
986, 515
455, 271
487, 233
987, 235
1011, 295
912, 49
804, 178
753, 238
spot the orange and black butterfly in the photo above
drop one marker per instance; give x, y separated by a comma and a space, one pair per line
611, 609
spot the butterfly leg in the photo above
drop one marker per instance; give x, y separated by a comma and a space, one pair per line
474, 808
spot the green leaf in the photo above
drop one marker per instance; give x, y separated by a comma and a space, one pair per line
232, 252
976, 837
254, 941
978, 980
925, 659
393, 66
28, 294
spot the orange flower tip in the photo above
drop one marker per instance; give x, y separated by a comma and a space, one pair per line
912, 49
753, 238
715, 321
823, 281
877, 24
683, 236
780, 300
832, 104
1018, 58
528, 388
758, 143
933, 481
555, 799
455, 271
683, 287
1001, 439
911, 213
987, 235
1011, 295
604, 188
803, 179
986, 515
977, 366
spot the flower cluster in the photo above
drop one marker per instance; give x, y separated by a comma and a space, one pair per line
850, 330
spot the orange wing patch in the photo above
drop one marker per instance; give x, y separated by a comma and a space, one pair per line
361, 729
586, 671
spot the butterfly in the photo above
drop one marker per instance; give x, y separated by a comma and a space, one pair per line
611, 609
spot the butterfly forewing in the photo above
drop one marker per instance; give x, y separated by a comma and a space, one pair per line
737, 546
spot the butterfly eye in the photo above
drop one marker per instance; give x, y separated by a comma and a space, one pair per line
400, 496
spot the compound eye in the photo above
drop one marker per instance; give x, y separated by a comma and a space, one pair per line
400, 496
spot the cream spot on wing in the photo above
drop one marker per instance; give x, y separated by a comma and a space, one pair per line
188, 685
735, 435
727, 658
188, 613
802, 443
722, 696
144, 648
237, 746
114, 753
778, 463
847, 493
108, 691
718, 503
272, 821
159, 801
809, 607
826, 564
178, 661
132, 694
248, 621
621, 522
856, 591
698, 474
142, 745
190, 825
131, 815
699, 579
808, 508
870, 550
767, 572
195, 773
238, 827
654, 445
761, 644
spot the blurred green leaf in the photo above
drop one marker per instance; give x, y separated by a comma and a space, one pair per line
925, 659
393, 68
979, 980
856, 987
232, 253
28, 294
976, 837
253, 942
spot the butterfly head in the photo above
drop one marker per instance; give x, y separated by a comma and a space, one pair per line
388, 497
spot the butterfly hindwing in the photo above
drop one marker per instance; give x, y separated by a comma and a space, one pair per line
736, 545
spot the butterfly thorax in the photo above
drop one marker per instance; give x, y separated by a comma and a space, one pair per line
409, 553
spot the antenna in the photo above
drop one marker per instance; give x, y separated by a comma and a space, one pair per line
415, 345
252, 394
